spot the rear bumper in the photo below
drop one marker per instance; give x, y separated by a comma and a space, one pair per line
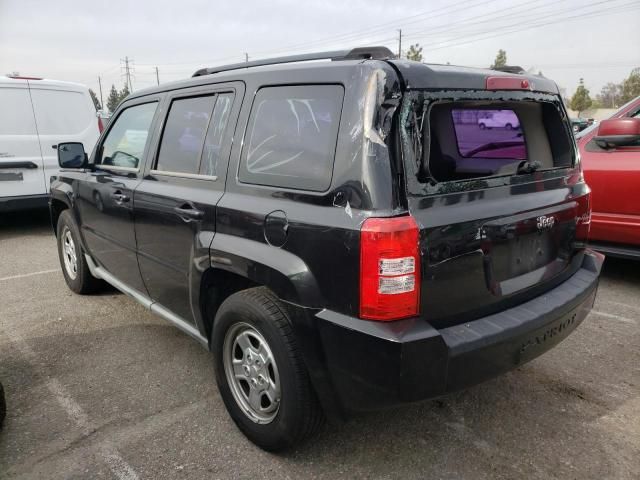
23, 202
371, 365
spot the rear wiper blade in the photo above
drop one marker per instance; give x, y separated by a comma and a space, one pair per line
528, 167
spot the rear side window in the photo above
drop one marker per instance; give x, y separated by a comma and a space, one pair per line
16, 113
291, 137
184, 134
60, 112
127, 138
215, 135
480, 131
193, 135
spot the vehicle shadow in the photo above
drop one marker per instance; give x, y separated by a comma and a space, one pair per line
31, 222
621, 269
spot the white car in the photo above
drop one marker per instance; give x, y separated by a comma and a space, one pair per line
500, 119
36, 114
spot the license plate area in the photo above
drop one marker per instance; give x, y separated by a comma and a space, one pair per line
522, 250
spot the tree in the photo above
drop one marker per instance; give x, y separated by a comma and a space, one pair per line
630, 87
501, 59
124, 93
415, 53
96, 102
113, 100
609, 96
581, 100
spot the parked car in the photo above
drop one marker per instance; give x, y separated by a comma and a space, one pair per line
579, 124
610, 156
499, 119
34, 115
331, 233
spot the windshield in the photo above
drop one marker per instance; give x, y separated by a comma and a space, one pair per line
587, 130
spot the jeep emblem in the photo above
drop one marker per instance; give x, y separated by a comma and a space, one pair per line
545, 222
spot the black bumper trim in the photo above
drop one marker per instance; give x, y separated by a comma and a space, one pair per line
377, 364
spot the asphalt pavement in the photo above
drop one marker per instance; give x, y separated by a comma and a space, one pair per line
98, 387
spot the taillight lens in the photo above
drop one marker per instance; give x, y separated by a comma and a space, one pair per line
100, 125
389, 268
583, 217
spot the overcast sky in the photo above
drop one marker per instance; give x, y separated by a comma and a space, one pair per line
79, 40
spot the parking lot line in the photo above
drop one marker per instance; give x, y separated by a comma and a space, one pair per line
118, 466
23, 275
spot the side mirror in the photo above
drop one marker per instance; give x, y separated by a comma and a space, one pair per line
618, 132
72, 155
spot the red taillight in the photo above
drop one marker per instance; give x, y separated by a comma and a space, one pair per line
583, 217
100, 125
389, 268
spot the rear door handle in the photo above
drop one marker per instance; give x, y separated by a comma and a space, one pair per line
188, 213
120, 197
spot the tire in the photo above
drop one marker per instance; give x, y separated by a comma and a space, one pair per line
508, 126
482, 126
256, 315
74, 265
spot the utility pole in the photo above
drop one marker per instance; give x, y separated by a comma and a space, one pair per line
100, 88
128, 70
399, 43
246, 57
157, 76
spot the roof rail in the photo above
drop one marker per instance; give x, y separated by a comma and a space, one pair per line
361, 53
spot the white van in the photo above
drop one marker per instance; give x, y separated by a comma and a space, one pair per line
36, 114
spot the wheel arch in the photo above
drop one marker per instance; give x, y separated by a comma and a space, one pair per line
57, 204
239, 263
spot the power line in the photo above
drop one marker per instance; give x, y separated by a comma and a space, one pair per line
525, 9
475, 37
376, 29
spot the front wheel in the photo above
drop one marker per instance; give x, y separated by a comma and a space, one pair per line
74, 265
262, 379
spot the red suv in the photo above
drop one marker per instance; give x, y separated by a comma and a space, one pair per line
610, 155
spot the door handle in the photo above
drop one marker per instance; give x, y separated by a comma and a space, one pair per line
188, 213
120, 197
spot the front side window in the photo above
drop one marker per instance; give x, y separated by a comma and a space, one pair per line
184, 135
125, 143
291, 137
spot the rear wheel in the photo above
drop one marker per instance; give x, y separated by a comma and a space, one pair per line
508, 126
74, 265
482, 126
262, 379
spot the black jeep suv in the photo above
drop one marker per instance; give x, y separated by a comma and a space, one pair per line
341, 234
